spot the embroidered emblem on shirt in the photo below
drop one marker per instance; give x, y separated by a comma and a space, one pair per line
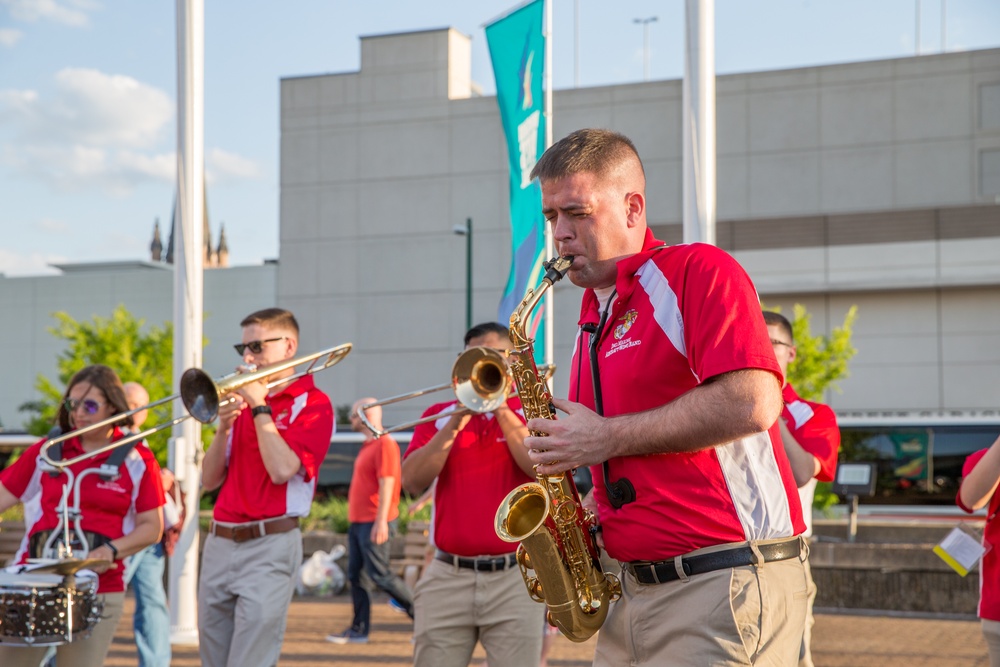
281, 421
627, 321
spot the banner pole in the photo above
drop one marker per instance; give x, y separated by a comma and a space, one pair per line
549, 243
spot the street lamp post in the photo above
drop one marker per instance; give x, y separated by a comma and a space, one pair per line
645, 42
466, 231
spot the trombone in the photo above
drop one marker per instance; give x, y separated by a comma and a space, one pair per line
480, 379
201, 396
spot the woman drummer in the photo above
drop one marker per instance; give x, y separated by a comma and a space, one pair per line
119, 515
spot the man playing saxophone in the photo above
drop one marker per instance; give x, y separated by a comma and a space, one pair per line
674, 397
472, 589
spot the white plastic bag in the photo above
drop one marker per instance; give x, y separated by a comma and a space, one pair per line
320, 575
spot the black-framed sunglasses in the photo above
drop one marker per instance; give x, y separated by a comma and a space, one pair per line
255, 346
90, 406
780, 342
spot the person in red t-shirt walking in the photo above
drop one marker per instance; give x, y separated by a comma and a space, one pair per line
811, 438
473, 589
372, 509
980, 478
264, 460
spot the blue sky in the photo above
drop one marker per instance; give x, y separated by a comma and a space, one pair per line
88, 93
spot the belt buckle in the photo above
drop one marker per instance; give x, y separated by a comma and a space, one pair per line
242, 533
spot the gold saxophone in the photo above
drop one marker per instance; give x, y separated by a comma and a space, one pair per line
546, 516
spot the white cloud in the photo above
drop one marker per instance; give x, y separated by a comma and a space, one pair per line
73, 13
222, 166
97, 108
97, 130
9, 37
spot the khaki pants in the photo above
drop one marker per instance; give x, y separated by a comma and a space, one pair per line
733, 617
455, 607
243, 597
89, 652
991, 633
805, 654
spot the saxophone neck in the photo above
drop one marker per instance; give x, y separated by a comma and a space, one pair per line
555, 269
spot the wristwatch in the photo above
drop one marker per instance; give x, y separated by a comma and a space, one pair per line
261, 410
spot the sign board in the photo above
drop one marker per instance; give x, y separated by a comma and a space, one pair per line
855, 479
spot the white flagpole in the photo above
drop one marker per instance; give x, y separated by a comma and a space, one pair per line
185, 446
699, 122
549, 245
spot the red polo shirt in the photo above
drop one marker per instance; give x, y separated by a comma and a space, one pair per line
684, 314
989, 567
304, 418
108, 507
477, 476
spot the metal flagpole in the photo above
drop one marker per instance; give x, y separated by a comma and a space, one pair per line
699, 122
185, 445
549, 244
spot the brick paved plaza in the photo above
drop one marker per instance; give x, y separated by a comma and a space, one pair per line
839, 641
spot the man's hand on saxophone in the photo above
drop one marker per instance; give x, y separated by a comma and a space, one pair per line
576, 439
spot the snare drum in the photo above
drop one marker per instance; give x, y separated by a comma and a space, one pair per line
47, 609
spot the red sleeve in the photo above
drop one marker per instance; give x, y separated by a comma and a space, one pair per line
970, 463
387, 459
724, 327
150, 495
422, 433
17, 475
308, 435
820, 436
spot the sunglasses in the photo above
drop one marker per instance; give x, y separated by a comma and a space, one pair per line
90, 406
255, 346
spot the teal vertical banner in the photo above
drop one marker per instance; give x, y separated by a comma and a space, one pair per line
517, 49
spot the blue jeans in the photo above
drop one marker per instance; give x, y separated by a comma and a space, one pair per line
373, 559
152, 618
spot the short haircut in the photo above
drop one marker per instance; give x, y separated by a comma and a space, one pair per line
486, 328
276, 318
104, 380
773, 319
592, 151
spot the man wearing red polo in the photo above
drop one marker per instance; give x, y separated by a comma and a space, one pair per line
473, 589
264, 458
674, 395
811, 439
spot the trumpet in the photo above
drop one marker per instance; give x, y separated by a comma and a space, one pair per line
201, 396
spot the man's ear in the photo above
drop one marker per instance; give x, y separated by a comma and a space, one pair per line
635, 204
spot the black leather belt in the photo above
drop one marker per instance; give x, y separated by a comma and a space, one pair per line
660, 572
495, 564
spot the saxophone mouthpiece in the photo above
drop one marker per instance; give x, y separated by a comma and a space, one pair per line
557, 267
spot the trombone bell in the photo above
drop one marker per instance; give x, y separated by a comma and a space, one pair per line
201, 394
481, 379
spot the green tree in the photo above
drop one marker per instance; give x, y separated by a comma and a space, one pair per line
136, 352
820, 361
